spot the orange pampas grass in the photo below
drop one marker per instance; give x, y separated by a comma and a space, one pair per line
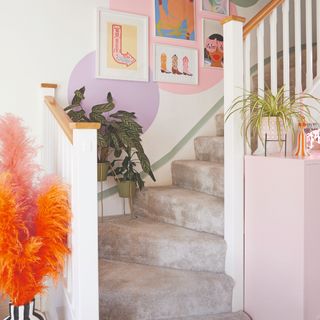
34, 217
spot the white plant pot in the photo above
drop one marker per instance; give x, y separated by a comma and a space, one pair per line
269, 128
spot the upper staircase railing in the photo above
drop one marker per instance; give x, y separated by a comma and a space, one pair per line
70, 151
285, 22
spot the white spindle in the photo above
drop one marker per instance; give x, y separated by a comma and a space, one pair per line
318, 36
309, 57
297, 37
286, 48
247, 73
273, 51
247, 63
260, 39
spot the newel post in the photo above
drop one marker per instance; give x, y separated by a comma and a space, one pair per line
234, 157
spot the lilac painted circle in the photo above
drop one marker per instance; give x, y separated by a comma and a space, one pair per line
133, 96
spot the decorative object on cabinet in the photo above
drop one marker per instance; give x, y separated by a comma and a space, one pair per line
122, 46
34, 222
212, 43
301, 150
175, 64
175, 19
216, 6
274, 115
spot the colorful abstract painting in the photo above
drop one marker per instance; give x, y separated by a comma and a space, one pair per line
216, 6
176, 64
212, 44
175, 19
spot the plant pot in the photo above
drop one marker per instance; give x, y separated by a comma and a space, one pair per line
126, 189
103, 168
269, 128
25, 312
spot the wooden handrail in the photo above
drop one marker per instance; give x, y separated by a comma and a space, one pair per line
49, 85
65, 122
260, 16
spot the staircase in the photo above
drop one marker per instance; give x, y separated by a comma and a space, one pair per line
169, 262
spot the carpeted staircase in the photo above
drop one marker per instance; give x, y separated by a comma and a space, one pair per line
169, 262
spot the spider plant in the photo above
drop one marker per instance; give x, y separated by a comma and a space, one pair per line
254, 107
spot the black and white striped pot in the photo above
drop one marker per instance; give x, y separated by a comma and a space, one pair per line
25, 312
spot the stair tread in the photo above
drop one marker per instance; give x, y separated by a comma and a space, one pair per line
171, 204
134, 291
209, 148
199, 164
149, 242
223, 316
202, 176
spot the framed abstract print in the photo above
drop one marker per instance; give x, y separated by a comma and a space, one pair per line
212, 44
122, 46
175, 64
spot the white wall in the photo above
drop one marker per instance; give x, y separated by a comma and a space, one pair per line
41, 41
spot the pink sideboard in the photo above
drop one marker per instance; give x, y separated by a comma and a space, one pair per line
282, 238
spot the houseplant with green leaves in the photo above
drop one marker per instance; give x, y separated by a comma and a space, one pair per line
119, 130
274, 115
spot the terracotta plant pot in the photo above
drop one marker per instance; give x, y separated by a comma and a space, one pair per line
103, 169
126, 189
25, 312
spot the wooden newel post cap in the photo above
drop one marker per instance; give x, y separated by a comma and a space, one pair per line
232, 18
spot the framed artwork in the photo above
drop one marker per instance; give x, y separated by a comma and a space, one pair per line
212, 44
175, 64
175, 19
122, 46
216, 6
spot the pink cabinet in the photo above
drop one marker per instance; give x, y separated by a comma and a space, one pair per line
282, 238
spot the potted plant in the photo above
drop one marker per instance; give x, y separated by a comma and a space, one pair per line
118, 130
271, 115
34, 222
128, 175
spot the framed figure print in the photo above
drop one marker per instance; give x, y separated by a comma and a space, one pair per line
175, 64
212, 44
175, 19
122, 46
216, 6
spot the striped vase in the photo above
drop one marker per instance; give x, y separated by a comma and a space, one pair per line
25, 312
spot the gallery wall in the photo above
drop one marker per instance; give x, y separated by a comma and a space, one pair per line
47, 41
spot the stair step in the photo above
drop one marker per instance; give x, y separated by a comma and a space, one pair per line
131, 291
224, 316
149, 242
209, 148
182, 207
220, 125
202, 176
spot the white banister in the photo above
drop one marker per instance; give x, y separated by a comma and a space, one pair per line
318, 36
260, 41
286, 46
71, 153
309, 58
297, 40
247, 73
234, 156
273, 51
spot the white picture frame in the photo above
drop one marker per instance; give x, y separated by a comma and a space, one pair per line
221, 7
122, 46
175, 64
